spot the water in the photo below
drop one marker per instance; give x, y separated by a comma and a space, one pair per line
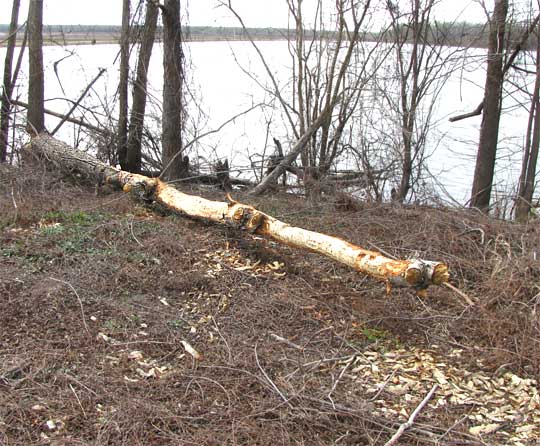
226, 78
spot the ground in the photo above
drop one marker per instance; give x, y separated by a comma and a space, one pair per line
121, 324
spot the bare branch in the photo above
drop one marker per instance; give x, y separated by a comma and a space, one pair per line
76, 104
411, 419
509, 63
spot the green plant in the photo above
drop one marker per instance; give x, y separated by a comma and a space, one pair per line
176, 323
374, 334
52, 229
112, 325
11, 250
80, 218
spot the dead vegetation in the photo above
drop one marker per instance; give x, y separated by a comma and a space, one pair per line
103, 304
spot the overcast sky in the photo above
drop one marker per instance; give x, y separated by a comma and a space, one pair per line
256, 13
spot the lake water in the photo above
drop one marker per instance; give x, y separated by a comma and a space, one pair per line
221, 88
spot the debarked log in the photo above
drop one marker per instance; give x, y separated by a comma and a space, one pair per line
416, 273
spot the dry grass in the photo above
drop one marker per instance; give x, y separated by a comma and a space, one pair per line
85, 282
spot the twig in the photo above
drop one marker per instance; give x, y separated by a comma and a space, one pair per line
78, 400
223, 339
80, 384
386, 253
336, 382
410, 421
14, 33
325, 360
14, 204
286, 341
77, 121
276, 388
78, 298
461, 293
374, 397
132, 233
476, 112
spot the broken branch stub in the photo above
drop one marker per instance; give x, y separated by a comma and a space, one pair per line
416, 273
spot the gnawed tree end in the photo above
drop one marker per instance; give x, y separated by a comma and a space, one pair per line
416, 273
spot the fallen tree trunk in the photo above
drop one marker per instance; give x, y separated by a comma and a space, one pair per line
415, 273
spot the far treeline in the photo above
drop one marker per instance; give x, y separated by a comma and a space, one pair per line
452, 33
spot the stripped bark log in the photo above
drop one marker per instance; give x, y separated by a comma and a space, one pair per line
416, 273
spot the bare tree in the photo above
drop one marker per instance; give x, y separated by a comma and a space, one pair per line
409, 71
325, 92
532, 144
7, 89
489, 130
36, 82
174, 165
328, 79
134, 142
121, 133
422, 64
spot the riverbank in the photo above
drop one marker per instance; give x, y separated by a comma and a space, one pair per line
122, 325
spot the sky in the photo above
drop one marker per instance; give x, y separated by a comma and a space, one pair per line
255, 13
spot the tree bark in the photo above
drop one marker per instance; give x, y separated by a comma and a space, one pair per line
134, 143
36, 81
173, 76
121, 132
416, 273
489, 130
7, 90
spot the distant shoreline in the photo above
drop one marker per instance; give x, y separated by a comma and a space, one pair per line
455, 35
113, 40
100, 35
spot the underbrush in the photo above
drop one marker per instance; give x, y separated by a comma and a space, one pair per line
100, 296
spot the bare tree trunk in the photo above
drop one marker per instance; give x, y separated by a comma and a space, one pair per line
222, 175
417, 73
489, 131
409, 73
530, 157
36, 82
416, 273
7, 90
174, 165
121, 134
134, 155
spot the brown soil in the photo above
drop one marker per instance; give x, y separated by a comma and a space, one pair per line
99, 296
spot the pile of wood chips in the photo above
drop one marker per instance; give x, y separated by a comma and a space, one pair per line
503, 406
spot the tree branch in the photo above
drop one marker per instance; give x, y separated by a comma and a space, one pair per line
76, 104
509, 63
410, 421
